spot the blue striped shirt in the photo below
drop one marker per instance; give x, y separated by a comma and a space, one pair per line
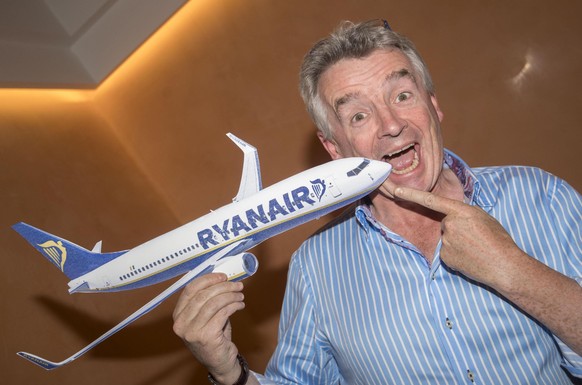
363, 306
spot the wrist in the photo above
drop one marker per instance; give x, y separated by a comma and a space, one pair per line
517, 273
238, 376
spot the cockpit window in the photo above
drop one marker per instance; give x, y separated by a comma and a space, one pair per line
359, 169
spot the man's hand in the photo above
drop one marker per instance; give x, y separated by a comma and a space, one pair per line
473, 242
201, 319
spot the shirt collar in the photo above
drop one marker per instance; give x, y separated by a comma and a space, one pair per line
468, 179
465, 175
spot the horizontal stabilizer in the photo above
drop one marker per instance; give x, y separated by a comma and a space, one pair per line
83, 288
97, 247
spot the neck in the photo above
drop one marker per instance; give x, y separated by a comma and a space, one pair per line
417, 224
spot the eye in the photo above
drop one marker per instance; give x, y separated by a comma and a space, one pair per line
358, 117
403, 96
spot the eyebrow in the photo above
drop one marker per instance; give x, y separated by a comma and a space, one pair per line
344, 100
397, 75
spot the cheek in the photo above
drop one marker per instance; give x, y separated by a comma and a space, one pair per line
348, 144
340, 148
366, 147
437, 151
433, 135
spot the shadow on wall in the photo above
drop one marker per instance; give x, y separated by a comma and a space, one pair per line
133, 342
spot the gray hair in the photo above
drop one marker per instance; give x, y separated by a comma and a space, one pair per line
351, 41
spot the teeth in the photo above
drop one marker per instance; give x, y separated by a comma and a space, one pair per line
409, 168
401, 150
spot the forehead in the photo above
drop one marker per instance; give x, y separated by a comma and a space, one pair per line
349, 76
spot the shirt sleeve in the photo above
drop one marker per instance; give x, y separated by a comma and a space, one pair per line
566, 204
263, 380
301, 356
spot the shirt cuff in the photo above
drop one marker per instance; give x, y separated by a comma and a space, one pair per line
262, 379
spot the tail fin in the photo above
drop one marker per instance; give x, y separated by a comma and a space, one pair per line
71, 259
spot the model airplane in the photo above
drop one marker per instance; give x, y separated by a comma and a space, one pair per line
215, 242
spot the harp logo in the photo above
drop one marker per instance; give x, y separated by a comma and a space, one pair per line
318, 187
56, 252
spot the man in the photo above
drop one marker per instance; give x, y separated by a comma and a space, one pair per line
444, 275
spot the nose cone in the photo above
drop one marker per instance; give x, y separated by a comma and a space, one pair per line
379, 171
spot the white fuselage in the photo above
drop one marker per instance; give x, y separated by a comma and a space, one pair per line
286, 204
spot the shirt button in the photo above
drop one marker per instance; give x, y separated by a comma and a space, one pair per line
449, 323
470, 375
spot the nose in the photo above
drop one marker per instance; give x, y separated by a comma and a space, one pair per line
390, 123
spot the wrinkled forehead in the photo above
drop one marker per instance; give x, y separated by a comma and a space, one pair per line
346, 78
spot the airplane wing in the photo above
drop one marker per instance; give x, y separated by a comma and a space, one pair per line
249, 264
250, 182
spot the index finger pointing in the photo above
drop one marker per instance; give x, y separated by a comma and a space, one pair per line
428, 200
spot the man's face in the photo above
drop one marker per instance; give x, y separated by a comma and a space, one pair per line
378, 108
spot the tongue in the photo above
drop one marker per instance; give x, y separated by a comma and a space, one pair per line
402, 160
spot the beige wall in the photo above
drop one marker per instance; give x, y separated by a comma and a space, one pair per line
146, 152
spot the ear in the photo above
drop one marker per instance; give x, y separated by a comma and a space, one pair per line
435, 104
330, 146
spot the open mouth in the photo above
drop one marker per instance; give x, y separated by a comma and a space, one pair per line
404, 160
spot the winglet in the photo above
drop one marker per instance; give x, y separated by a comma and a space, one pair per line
250, 182
45, 364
